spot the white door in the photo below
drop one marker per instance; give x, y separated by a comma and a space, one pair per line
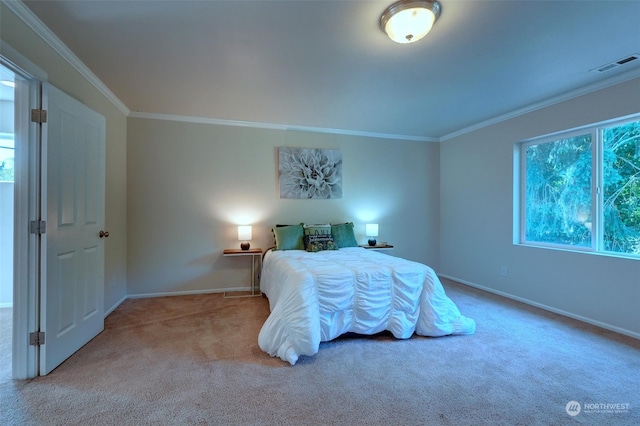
72, 286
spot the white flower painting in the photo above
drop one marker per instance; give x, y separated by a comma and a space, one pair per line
310, 173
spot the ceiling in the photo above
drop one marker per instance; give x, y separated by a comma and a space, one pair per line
327, 64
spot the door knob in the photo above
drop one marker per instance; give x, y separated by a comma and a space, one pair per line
104, 234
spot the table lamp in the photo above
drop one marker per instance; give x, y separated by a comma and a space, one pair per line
244, 235
372, 232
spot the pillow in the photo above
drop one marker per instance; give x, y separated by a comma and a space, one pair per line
321, 229
319, 242
343, 235
289, 237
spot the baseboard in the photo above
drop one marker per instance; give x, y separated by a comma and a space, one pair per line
545, 307
115, 306
186, 293
172, 293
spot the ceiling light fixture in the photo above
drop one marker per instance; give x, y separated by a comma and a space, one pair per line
408, 21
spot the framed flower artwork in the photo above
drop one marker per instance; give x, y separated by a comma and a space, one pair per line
306, 173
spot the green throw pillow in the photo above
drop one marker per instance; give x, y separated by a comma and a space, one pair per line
289, 237
343, 235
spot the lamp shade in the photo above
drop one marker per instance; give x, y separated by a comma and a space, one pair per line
407, 21
371, 229
244, 232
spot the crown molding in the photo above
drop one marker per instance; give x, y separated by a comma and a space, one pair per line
585, 90
33, 22
272, 126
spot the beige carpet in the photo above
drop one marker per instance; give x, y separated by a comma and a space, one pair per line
194, 360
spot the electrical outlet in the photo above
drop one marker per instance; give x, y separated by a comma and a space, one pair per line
504, 271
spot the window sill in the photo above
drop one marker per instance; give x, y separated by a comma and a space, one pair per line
585, 250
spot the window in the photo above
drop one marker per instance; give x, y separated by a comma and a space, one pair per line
581, 189
6, 157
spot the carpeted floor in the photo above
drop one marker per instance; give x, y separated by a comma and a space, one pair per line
195, 360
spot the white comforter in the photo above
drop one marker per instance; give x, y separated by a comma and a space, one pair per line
316, 297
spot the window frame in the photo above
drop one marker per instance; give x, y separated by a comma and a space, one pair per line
597, 193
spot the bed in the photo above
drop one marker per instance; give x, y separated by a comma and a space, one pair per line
316, 296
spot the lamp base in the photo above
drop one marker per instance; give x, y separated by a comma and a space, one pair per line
245, 246
372, 242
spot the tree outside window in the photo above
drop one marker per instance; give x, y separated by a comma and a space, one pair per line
621, 188
567, 202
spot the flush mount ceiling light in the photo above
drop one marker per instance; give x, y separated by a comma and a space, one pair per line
408, 21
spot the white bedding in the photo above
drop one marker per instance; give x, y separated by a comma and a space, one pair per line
316, 297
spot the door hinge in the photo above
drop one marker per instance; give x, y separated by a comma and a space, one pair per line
37, 227
36, 338
38, 115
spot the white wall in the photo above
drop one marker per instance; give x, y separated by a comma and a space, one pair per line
6, 218
190, 184
477, 211
6, 244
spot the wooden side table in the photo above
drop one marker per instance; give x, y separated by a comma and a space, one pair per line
377, 247
253, 252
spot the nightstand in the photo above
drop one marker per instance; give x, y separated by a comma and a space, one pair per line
377, 247
253, 253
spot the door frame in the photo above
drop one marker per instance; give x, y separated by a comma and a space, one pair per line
26, 254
